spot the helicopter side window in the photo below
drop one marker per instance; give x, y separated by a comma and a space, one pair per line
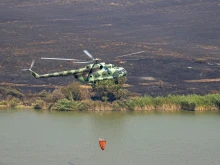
105, 68
119, 72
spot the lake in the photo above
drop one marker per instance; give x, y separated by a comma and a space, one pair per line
29, 137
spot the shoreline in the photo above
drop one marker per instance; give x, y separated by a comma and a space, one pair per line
104, 97
142, 103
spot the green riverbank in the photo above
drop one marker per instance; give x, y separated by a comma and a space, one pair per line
77, 98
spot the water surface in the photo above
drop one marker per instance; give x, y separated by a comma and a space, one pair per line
30, 137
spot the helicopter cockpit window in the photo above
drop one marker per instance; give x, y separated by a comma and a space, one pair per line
101, 67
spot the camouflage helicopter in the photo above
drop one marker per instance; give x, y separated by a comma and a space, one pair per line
91, 73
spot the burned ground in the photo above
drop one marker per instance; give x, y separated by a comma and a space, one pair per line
180, 39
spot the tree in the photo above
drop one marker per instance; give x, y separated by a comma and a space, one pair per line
108, 90
72, 91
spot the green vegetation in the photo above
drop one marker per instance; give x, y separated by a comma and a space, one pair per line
10, 97
174, 103
110, 91
7, 93
73, 92
67, 105
107, 96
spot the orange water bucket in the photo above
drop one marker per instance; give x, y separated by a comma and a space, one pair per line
102, 143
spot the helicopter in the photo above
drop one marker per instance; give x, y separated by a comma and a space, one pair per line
91, 73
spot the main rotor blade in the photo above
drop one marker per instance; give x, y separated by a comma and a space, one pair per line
66, 59
32, 64
88, 54
131, 54
83, 62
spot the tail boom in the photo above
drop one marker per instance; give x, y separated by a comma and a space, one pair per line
56, 74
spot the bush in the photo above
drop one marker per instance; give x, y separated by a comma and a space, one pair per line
72, 92
7, 91
55, 96
190, 106
108, 90
39, 104
14, 102
43, 94
82, 106
64, 105
3, 103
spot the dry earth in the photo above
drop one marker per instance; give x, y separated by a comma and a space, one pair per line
180, 39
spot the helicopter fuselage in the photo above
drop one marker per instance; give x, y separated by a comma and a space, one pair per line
89, 74
98, 72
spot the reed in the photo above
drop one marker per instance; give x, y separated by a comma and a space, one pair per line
98, 105
67, 105
175, 103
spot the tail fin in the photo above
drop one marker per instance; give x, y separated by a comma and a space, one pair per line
32, 72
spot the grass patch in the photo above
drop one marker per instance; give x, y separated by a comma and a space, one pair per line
67, 105
172, 103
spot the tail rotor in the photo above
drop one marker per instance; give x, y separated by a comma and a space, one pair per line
32, 64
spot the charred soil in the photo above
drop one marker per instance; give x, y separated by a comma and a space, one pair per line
180, 39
